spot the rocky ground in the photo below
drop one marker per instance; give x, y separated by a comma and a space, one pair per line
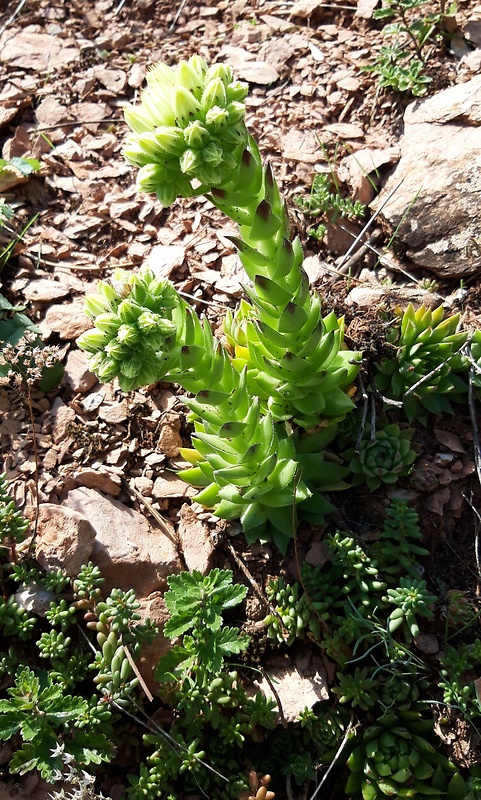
100, 456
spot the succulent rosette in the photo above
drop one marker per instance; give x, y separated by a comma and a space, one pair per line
395, 759
383, 457
411, 600
423, 371
188, 127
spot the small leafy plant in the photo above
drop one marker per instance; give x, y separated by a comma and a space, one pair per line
399, 66
326, 199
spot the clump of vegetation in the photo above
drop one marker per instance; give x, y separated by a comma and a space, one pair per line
276, 434
400, 66
326, 200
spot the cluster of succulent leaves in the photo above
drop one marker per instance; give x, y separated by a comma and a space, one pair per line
213, 714
367, 630
401, 65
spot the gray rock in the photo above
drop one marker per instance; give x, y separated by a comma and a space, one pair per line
437, 183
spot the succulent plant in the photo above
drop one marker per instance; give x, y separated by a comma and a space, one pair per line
13, 524
383, 455
358, 688
422, 373
244, 464
395, 759
411, 599
190, 126
397, 549
291, 609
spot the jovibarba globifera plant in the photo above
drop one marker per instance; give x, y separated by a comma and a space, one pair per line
424, 371
283, 361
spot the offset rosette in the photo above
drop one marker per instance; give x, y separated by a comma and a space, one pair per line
423, 371
395, 759
189, 126
383, 456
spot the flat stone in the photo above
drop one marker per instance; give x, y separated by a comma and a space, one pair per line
65, 538
95, 479
130, 552
68, 320
169, 485
77, 376
153, 608
44, 290
62, 417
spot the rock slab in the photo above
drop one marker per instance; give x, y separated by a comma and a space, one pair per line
437, 183
129, 551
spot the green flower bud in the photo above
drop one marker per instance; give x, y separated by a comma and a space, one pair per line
196, 135
150, 177
160, 75
108, 323
95, 305
170, 139
190, 161
129, 367
237, 91
222, 71
212, 154
236, 112
93, 340
149, 323
190, 75
134, 153
128, 335
138, 118
129, 312
216, 117
185, 106
117, 350
105, 367
149, 145
214, 94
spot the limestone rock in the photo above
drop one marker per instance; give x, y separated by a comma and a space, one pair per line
359, 171
98, 479
44, 290
371, 296
437, 182
130, 552
62, 416
68, 320
77, 375
195, 542
65, 538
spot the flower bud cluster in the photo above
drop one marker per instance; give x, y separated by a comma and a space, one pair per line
138, 319
189, 125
